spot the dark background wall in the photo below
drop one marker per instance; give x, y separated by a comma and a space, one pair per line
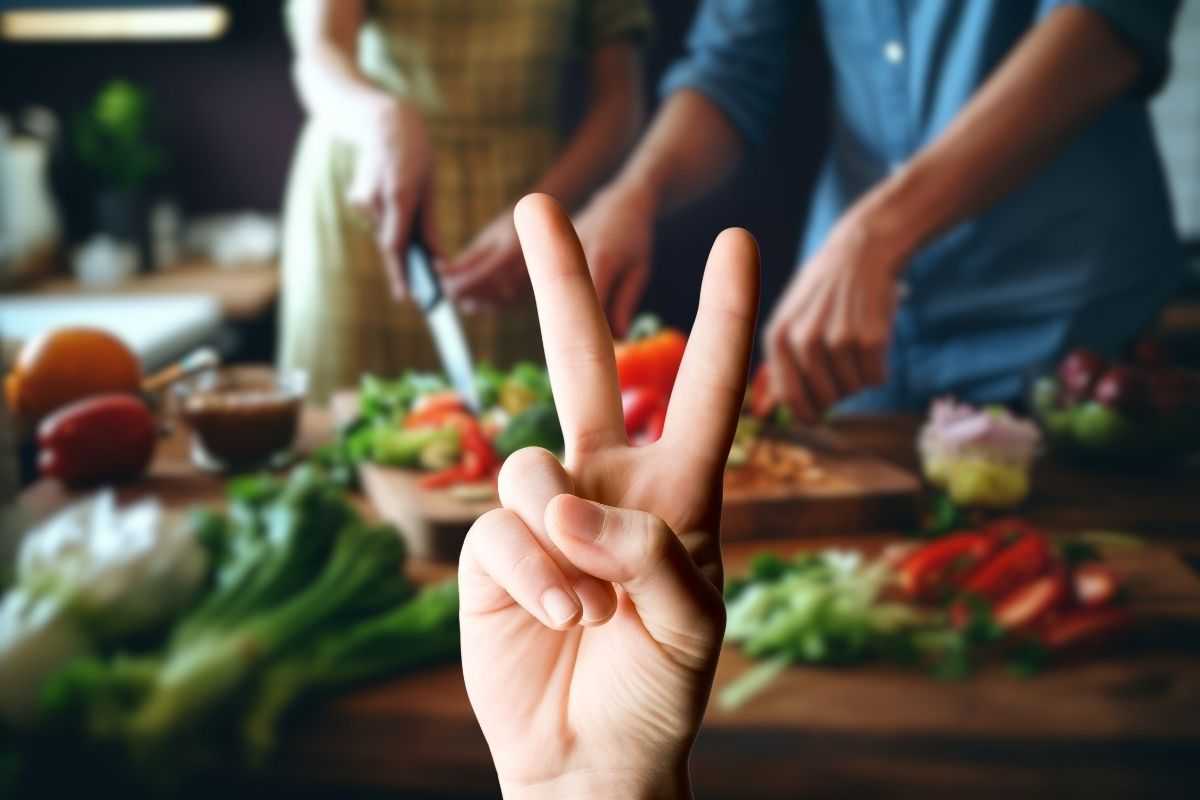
229, 116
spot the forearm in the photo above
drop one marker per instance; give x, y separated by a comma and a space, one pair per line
603, 137
325, 69
335, 91
1064, 73
690, 148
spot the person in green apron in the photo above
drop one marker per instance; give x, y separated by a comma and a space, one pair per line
429, 119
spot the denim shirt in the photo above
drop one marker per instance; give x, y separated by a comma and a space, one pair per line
1083, 253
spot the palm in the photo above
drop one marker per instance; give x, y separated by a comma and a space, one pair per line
638, 667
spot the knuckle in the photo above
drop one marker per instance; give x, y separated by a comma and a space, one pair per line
657, 539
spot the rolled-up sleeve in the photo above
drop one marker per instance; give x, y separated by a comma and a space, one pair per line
738, 56
1144, 24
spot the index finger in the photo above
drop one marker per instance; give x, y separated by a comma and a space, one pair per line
711, 383
575, 335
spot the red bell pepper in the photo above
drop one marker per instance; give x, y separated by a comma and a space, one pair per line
1031, 602
1027, 557
1084, 626
651, 362
1095, 584
929, 569
100, 439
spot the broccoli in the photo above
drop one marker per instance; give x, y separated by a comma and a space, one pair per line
535, 427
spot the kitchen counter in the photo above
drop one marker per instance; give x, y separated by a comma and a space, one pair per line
828, 732
243, 292
162, 315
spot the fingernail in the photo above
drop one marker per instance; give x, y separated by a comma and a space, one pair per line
559, 606
581, 519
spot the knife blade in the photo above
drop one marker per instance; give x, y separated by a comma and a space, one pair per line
444, 324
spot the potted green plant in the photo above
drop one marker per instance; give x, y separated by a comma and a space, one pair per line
112, 140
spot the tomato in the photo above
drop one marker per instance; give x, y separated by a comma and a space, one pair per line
1084, 626
106, 438
1027, 557
1032, 601
928, 569
652, 362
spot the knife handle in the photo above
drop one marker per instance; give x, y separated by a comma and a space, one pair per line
423, 284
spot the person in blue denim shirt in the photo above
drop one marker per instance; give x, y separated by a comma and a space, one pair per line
991, 197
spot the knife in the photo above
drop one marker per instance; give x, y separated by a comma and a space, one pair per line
444, 324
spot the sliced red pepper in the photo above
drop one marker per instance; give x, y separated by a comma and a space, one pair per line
762, 399
478, 456
1031, 602
433, 410
922, 573
444, 477
1084, 626
638, 405
1027, 557
1095, 584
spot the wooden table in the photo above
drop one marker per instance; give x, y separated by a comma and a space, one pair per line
417, 734
245, 292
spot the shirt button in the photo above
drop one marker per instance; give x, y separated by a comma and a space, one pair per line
893, 51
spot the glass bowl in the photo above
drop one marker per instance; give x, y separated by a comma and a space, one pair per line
243, 417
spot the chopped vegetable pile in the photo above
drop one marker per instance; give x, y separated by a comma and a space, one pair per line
1004, 589
981, 457
302, 596
418, 422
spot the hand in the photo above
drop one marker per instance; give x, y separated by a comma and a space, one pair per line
828, 336
617, 232
590, 630
491, 270
393, 186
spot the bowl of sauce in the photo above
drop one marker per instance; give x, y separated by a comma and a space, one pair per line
243, 417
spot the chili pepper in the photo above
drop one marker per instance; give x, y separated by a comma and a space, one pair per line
1083, 626
1026, 558
926, 570
1032, 601
1095, 584
651, 362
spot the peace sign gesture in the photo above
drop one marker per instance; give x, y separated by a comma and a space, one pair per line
591, 609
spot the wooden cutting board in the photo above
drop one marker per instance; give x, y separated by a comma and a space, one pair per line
855, 492
1122, 722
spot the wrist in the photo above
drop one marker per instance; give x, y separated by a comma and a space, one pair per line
604, 785
900, 214
639, 189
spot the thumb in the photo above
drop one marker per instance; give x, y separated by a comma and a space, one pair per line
679, 607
